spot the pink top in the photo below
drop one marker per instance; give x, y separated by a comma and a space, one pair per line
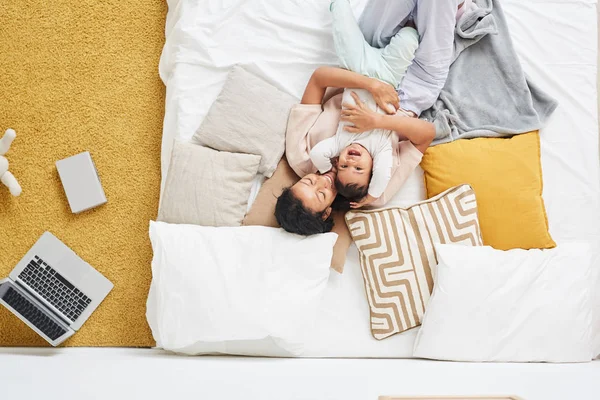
308, 124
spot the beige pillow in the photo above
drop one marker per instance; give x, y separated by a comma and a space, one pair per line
262, 212
249, 116
397, 254
207, 187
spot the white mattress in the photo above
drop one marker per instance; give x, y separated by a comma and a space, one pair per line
285, 41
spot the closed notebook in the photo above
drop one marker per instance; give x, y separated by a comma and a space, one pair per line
81, 182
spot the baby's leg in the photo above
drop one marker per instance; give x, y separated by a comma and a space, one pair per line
353, 51
399, 54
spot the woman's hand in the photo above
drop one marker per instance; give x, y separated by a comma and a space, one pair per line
385, 96
359, 115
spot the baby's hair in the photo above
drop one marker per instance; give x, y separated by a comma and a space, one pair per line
351, 191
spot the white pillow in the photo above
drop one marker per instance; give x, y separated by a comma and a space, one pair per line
516, 305
235, 290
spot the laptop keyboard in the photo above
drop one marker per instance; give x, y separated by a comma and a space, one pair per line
54, 288
33, 314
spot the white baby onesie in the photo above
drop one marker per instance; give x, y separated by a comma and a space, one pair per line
378, 142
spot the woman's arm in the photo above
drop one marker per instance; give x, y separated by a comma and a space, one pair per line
324, 77
420, 133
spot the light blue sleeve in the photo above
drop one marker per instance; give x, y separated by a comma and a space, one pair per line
427, 75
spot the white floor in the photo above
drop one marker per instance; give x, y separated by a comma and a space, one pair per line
87, 373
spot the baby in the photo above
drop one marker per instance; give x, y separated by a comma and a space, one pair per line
364, 160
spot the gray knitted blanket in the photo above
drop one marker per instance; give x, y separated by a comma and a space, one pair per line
487, 92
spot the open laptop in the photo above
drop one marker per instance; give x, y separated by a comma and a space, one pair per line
53, 290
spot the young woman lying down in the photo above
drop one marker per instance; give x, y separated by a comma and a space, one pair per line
305, 208
372, 168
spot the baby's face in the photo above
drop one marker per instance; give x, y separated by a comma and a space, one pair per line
355, 165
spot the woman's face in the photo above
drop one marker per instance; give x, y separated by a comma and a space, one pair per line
316, 192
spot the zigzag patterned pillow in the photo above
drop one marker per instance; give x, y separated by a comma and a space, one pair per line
397, 253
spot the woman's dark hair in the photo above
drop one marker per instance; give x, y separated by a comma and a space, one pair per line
340, 203
295, 218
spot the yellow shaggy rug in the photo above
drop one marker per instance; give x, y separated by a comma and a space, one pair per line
76, 76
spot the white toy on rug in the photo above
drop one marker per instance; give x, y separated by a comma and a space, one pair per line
6, 177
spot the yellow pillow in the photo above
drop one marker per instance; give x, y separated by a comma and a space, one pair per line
506, 175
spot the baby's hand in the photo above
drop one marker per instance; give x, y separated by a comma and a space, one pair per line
368, 199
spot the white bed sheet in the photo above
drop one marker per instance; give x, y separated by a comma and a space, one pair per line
285, 41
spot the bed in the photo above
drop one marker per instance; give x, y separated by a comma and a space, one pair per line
555, 40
